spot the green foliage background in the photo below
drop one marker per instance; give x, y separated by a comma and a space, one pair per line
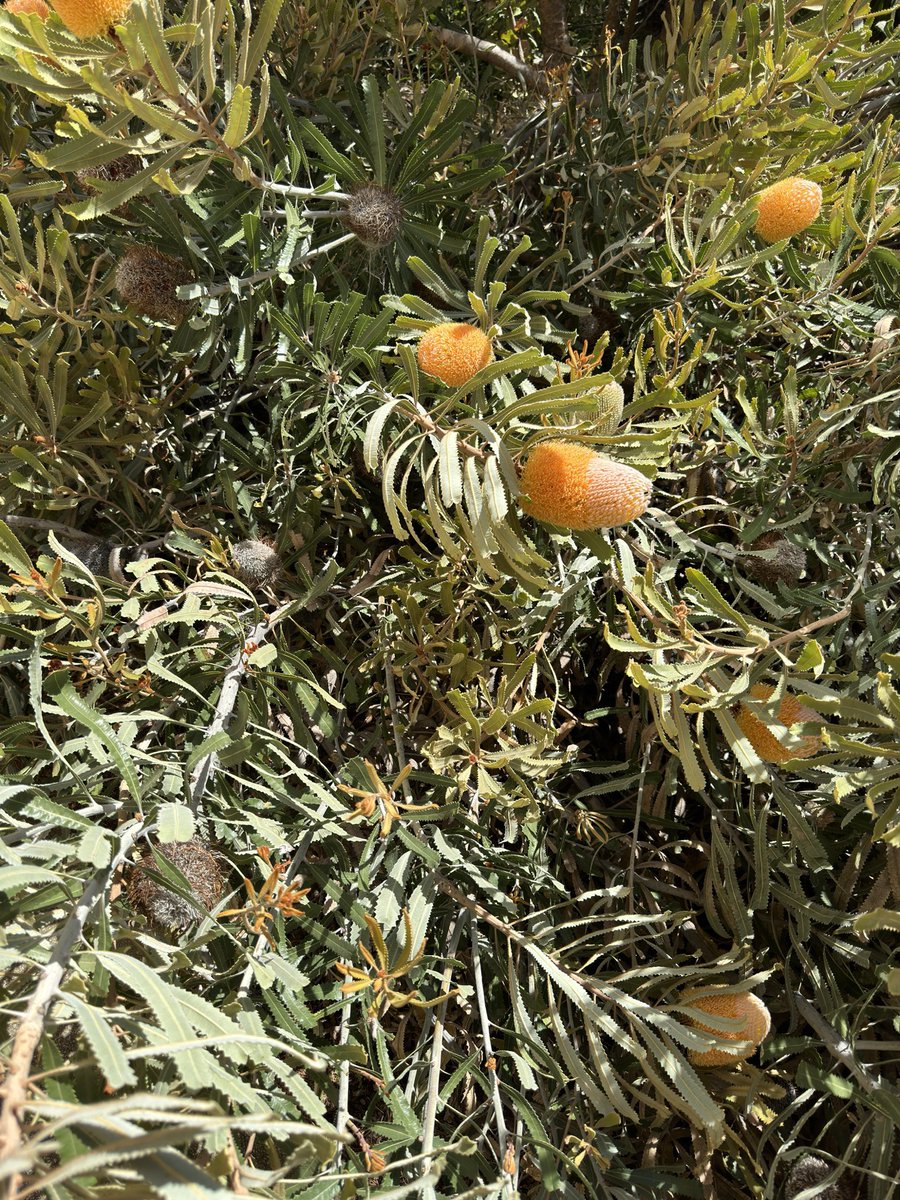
596, 834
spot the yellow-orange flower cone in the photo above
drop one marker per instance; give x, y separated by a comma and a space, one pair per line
21, 7
89, 18
787, 207
790, 712
454, 352
734, 1006
572, 486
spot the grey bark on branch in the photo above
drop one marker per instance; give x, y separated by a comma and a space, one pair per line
466, 43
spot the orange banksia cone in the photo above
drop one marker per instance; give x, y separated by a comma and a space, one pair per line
572, 486
454, 352
787, 208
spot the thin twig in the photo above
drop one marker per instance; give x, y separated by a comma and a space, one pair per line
235, 285
490, 1061
434, 1074
231, 685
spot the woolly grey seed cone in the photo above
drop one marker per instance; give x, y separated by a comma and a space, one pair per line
100, 557
787, 565
111, 172
165, 909
257, 564
374, 214
809, 1171
148, 280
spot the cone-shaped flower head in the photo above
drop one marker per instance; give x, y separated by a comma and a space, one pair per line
90, 18
21, 7
453, 352
787, 207
148, 281
256, 562
790, 712
610, 402
374, 214
572, 486
734, 1006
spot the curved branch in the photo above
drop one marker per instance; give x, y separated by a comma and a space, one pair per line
490, 52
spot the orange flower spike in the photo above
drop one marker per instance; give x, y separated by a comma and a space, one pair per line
569, 485
22, 7
787, 207
90, 18
453, 352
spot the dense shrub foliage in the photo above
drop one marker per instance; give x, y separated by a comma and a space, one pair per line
362, 833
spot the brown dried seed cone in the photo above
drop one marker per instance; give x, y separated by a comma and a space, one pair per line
809, 1171
165, 909
374, 214
787, 565
120, 168
147, 280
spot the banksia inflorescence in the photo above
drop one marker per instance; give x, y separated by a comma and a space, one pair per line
572, 486
256, 562
787, 564
453, 352
790, 712
610, 403
164, 908
808, 1172
148, 280
787, 207
112, 172
374, 213
733, 1006
90, 18
22, 7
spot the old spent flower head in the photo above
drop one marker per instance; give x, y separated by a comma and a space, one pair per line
374, 213
148, 281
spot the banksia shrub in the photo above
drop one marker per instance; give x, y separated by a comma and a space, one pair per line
809, 1171
256, 563
164, 908
374, 214
111, 172
572, 486
790, 712
148, 280
786, 565
89, 18
22, 7
734, 1006
454, 352
787, 207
